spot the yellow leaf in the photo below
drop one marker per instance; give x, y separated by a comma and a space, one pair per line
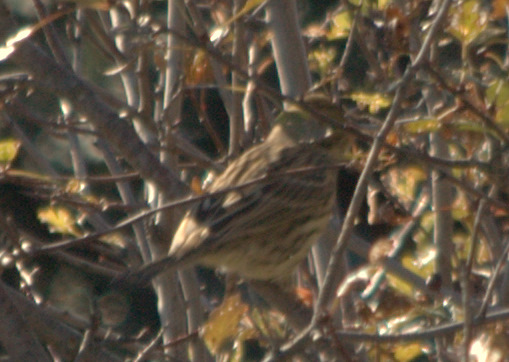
419, 126
374, 101
222, 328
323, 58
408, 351
341, 25
498, 93
59, 220
467, 21
421, 265
74, 186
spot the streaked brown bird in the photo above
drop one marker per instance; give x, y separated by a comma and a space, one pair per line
263, 231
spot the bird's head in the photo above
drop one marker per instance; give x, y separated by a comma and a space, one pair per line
298, 126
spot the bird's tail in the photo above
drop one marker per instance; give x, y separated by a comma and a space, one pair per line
142, 276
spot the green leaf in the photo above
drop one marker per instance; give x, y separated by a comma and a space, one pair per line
9, 150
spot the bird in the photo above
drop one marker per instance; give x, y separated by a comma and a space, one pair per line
264, 230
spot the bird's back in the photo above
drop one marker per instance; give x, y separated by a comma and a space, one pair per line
264, 231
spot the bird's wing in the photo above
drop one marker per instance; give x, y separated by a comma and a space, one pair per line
277, 195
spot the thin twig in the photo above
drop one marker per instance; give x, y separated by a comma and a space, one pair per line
360, 190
